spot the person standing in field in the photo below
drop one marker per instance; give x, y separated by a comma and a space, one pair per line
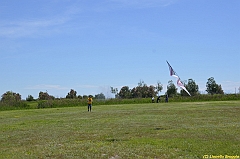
158, 99
152, 99
166, 99
90, 100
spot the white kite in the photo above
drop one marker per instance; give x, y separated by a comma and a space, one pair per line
174, 74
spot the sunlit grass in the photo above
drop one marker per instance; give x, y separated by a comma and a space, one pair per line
164, 130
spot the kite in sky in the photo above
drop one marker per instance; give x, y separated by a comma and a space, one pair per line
174, 74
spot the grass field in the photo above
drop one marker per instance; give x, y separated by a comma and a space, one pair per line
163, 130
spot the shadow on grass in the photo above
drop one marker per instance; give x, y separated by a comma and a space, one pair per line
160, 128
115, 140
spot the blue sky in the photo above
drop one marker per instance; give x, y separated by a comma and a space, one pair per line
90, 45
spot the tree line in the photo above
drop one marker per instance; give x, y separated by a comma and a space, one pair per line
12, 96
145, 91
142, 90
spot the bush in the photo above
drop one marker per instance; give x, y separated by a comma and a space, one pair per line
61, 103
30, 98
13, 105
205, 97
56, 103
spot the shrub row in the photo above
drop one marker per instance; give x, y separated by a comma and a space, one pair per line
205, 97
14, 105
82, 102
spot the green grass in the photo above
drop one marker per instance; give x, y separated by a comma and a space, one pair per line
163, 130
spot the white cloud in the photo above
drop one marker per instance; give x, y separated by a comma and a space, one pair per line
35, 27
87, 86
55, 24
47, 87
16, 29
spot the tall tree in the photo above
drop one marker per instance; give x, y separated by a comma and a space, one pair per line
151, 91
100, 96
213, 87
125, 92
192, 88
141, 83
159, 87
30, 98
45, 96
114, 91
219, 90
143, 91
171, 89
10, 96
72, 94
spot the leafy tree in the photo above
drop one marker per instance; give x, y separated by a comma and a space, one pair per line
85, 96
141, 83
213, 87
114, 91
10, 96
30, 98
159, 87
45, 96
13, 99
135, 93
151, 91
80, 97
100, 96
192, 88
143, 91
72, 94
171, 89
125, 92
219, 90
